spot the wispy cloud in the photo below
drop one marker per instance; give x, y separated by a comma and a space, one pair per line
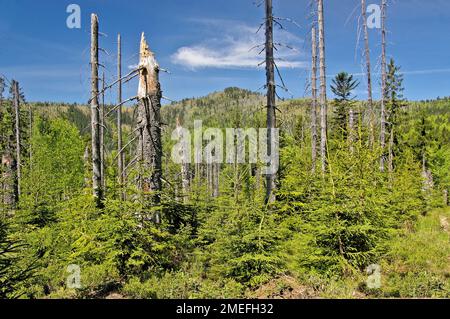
235, 45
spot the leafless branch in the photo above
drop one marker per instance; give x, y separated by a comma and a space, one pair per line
120, 104
123, 148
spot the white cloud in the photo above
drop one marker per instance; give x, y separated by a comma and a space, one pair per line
232, 49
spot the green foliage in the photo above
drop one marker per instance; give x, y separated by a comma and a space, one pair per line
343, 86
14, 270
55, 172
317, 238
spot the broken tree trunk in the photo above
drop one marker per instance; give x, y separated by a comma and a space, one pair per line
95, 116
368, 74
121, 157
17, 132
314, 99
323, 88
149, 124
383, 86
271, 106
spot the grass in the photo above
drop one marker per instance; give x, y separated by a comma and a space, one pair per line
416, 265
418, 262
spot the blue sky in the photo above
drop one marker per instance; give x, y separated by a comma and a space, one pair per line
205, 44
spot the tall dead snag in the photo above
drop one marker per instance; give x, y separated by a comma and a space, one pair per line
16, 98
323, 87
271, 106
314, 99
119, 116
95, 116
102, 135
149, 123
383, 86
185, 169
368, 74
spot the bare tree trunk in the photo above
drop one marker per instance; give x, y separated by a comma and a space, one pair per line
185, 174
368, 74
95, 117
323, 87
119, 118
314, 99
102, 135
17, 132
383, 86
271, 107
149, 122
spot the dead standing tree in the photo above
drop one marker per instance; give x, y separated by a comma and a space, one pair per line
368, 73
185, 167
314, 98
323, 87
16, 98
271, 102
149, 124
383, 85
95, 115
121, 155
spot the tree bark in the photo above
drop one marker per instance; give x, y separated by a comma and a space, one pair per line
17, 132
95, 117
323, 87
271, 104
149, 123
314, 99
119, 118
368, 74
383, 86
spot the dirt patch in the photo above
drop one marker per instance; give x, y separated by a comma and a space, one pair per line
284, 287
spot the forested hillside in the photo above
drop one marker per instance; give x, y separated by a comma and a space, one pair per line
316, 240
